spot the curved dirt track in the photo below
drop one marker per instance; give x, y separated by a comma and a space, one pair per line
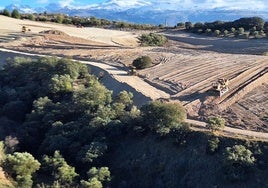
119, 75
233, 131
145, 89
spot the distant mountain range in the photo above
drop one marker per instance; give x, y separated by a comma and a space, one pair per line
143, 12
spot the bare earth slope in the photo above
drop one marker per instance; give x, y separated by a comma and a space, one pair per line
184, 69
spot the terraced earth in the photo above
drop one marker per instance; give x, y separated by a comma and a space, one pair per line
184, 69
189, 77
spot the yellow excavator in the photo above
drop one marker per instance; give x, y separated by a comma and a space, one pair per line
24, 29
221, 86
132, 71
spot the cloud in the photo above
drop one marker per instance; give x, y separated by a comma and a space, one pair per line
65, 3
237, 4
126, 4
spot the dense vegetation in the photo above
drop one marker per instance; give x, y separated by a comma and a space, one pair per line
60, 127
78, 21
244, 27
61, 120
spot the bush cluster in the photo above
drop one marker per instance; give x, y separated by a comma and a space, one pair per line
152, 39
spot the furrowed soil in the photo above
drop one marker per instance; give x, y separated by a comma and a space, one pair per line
184, 69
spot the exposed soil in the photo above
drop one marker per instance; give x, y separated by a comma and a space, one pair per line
185, 68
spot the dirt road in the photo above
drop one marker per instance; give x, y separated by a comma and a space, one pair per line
233, 131
136, 84
141, 87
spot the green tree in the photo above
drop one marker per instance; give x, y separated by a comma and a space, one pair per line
233, 30
213, 145
97, 178
59, 168
241, 30
15, 14
21, 166
217, 33
238, 162
208, 31
69, 67
188, 25
125, 98
91, 183
31, 17
61, 84
142, 62
59, 18
90, 152
239, 154
2, 152
161, 117
225, 32
216, 124
181, 25
6, 13
92, 98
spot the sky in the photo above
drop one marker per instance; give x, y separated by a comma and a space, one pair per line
175, 4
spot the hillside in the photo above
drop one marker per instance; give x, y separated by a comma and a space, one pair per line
59, 119
209, 58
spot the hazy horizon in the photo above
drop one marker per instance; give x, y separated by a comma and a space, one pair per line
256, 5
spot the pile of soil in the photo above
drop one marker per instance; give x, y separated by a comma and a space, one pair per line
54, 32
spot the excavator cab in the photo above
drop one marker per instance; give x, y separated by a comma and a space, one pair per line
24, 29
132, 71
221, 86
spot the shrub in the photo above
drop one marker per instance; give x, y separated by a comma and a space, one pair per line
239, 154
233, 30
217, 33
142, 62
238, 162
225, 32
215, 123
152, 39
97, 178
241, 30
208, 31
213, 145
